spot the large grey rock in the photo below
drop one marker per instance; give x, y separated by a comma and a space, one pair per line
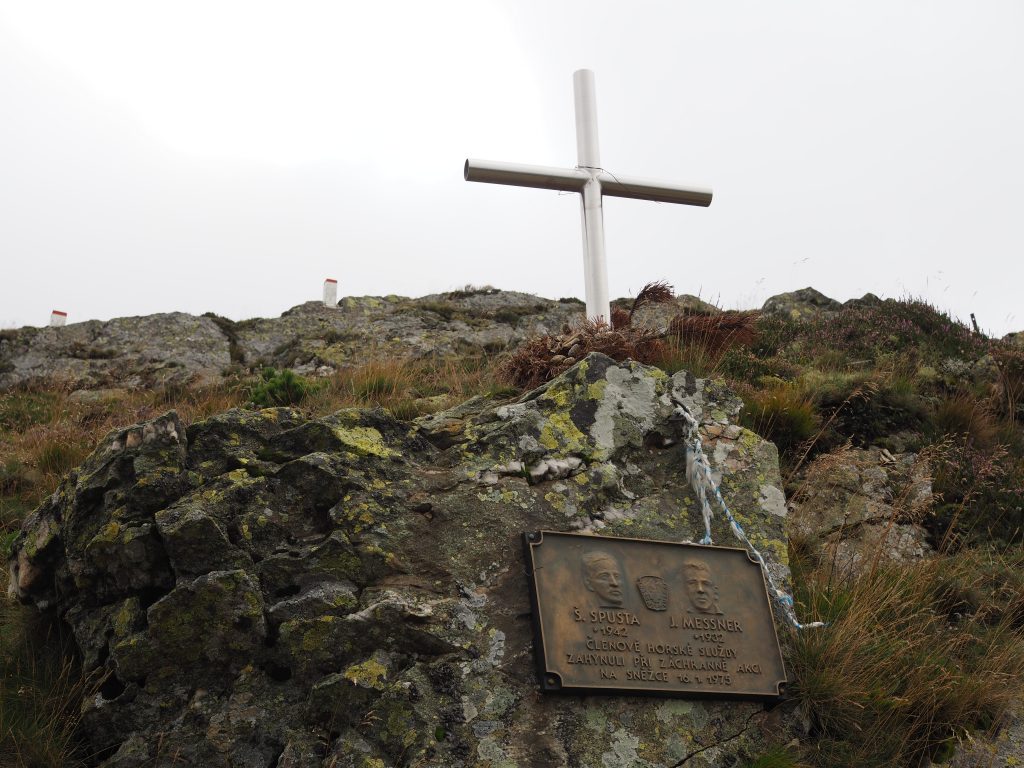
273, 590
170, 349
127, 352
857, 507
1016, 338
801, 304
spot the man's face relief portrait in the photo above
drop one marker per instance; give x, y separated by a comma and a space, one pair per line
700, 587
602, 575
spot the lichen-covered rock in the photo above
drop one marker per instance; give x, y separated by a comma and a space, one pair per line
801, 304
170, 349
273, 590
126, 352
857, 507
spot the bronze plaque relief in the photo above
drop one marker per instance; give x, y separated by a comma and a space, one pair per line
633, 616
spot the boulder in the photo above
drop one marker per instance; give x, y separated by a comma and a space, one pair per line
1016, 338
154, 351
857, 507
801, 304
268, 589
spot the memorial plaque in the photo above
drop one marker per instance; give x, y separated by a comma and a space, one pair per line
635, 616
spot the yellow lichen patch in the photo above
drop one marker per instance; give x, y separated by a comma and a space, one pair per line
596, 390
364, 441
123, 618
559, 393
369, 674
109, 532
556, 500
315, 637
748, 440
561, 434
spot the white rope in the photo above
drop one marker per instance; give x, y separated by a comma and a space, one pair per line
698, 473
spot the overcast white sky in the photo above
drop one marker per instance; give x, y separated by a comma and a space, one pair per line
229, 156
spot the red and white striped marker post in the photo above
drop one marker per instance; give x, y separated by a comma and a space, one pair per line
331, 293
58, 318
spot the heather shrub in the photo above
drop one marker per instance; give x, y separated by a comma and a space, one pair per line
981, 494
894, 327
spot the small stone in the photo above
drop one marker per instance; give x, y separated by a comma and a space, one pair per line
539, 470
714, 430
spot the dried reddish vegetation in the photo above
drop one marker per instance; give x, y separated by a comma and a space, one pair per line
707, 335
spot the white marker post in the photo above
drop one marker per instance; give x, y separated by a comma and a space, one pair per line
592, 182
331, 293
58, 318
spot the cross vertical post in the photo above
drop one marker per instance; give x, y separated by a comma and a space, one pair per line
588, 158
593, 183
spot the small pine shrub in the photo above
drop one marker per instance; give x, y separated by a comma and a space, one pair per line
280, 388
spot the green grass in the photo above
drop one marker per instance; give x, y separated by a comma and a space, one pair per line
41, 692
784, 414
21, 410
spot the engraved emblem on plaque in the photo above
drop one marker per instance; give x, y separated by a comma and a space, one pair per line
654, 592
634, 616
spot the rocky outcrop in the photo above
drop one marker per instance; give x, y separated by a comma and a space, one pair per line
801, 304
127, 352
172, 349
266, 589
1015, 339
857, 507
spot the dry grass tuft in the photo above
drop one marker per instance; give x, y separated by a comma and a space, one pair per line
784, 414
658, 292
965, 415
718, 332
407, 388
41, 692
542, 358
621, 318
914, 657
693, 341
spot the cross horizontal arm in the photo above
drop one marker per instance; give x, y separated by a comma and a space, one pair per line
647, 189
574, 179
517, 175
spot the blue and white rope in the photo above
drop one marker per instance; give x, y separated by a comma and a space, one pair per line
698, 472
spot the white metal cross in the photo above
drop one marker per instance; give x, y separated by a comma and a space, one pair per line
592, 182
